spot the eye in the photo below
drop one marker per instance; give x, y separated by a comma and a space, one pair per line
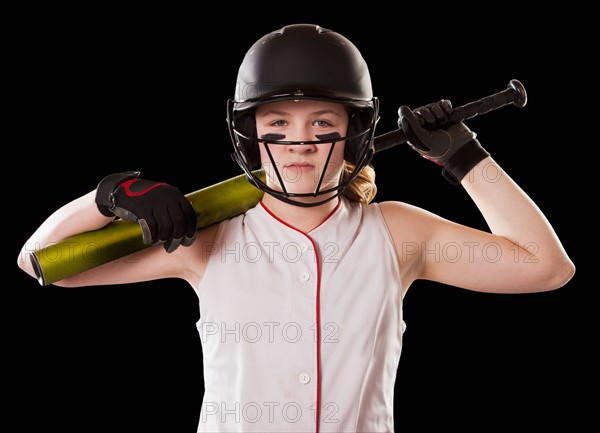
278, 123
322, 123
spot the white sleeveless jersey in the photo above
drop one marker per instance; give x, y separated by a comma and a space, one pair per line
301, 332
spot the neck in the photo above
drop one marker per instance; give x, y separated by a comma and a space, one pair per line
301, 218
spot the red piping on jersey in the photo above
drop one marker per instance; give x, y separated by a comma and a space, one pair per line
131, 193
317, 303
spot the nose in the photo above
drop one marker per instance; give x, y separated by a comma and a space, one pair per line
302, 135
302, 148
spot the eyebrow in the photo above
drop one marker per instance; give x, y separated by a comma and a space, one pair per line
285, 113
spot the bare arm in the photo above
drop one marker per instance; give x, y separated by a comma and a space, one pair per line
521, 254
526, 235
82, 215
77, 216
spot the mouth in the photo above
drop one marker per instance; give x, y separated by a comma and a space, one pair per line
299, 165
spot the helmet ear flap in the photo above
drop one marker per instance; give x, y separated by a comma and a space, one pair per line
246, 124
358, 122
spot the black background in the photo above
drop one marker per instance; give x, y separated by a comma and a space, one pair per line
147, 90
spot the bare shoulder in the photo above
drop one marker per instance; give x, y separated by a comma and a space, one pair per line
409, 223
410, 228
196, 256
397, 209
399, 215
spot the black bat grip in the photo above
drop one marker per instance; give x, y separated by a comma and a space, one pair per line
514, 94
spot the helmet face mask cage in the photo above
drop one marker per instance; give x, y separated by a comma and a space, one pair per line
359, 150
303, 62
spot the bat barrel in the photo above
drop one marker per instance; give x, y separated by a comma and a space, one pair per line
120, 238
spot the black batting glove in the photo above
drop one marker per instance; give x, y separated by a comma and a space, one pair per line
162, 211
453, 146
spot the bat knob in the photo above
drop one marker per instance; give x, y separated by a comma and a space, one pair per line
520, 94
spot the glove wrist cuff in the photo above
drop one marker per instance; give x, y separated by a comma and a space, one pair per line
107, 186
465, 158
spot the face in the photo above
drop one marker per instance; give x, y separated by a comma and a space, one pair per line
302, 165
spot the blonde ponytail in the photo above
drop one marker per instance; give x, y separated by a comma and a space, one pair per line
362, 189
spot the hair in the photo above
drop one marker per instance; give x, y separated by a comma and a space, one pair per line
362, 189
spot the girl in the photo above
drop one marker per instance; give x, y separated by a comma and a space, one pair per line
301, 297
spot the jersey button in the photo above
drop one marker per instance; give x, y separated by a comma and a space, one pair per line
304, 277
304, 247
304, 378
